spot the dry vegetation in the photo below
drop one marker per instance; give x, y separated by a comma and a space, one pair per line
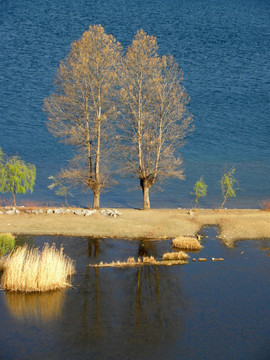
186, 243
131, 262
30, 270
180, 255
266, 205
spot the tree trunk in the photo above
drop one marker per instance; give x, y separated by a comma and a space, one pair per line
14, 200
225, 198
196, 202
146, 200
96, 202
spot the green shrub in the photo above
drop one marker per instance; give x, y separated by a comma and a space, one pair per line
7, 243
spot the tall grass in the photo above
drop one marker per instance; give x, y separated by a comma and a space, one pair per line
186, 243
7, 243
30, 270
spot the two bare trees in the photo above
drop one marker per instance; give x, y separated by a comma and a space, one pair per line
134, 106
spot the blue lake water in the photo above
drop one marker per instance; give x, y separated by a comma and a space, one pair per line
223, 48
199, 311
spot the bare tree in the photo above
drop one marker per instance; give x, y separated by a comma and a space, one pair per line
82, 108
155, 120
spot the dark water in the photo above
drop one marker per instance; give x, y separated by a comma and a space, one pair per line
210, 310
223, 48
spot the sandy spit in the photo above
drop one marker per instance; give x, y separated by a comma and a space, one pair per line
234, 224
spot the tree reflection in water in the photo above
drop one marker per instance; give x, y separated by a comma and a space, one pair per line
143, 306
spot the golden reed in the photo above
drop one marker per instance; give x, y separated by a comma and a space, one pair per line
180, 255
30, 270
186, 243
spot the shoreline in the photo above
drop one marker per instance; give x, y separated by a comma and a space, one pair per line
156, 224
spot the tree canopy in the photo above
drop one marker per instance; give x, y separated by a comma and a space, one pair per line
155, 120
82, 108
228, 185
16, 175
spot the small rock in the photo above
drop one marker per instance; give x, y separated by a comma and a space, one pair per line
40, 211
50, 211
35, 212
110, 212
90, 212
77, 212
67, 211
58, 211
1, 212
12, 212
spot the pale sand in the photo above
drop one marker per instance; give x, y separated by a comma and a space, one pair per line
152, 224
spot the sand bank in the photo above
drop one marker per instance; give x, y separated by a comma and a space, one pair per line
234, 224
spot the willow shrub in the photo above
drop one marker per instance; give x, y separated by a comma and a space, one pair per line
30, 270
7, 243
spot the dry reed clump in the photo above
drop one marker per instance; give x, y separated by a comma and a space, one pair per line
148, 259
131, 262
186, 243
30, 270
181, 255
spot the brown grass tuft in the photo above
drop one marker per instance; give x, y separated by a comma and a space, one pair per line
186, 243
147, 259
180, 255
30, 270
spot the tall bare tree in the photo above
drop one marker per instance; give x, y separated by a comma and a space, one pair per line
155, 119
82, 108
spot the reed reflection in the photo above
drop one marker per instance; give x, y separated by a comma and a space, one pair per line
35, 307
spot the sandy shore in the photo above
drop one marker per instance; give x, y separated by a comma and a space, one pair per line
153, 224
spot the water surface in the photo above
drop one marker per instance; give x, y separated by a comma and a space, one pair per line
223, 48
210, 310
